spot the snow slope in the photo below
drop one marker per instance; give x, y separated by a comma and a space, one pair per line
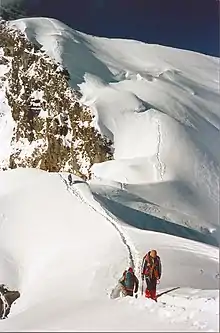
64, 252
159, 105
64, 244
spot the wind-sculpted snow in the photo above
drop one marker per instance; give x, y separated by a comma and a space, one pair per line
159, 105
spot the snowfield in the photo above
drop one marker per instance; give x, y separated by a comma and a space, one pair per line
65, 253
64, 243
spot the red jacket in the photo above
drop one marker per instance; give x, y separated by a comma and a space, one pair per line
151, 267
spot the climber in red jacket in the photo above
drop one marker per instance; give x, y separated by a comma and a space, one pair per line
151, 272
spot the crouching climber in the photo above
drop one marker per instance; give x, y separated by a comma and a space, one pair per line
151, 272
129, 283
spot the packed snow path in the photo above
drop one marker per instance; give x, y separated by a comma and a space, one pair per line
71, 185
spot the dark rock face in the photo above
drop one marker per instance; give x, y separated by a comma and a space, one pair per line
53, 130
7, 298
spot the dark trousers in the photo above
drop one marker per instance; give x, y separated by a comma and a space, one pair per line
125, 291
129, 292
151, 283
150, 291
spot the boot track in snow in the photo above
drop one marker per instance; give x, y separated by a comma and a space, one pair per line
134, 260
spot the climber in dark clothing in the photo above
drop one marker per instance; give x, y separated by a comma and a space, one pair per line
129, 283
151, 271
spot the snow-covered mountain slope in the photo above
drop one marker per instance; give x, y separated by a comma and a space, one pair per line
64, 242
64, 252
159, 105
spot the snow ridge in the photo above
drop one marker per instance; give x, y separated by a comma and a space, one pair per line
133, 257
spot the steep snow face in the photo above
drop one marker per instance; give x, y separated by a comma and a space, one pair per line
159, 105
65, 252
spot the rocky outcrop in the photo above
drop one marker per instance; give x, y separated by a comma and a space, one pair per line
7, 298
53, 131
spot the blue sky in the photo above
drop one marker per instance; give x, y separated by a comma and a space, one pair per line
186, 24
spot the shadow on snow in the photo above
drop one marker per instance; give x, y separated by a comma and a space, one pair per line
146, 221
